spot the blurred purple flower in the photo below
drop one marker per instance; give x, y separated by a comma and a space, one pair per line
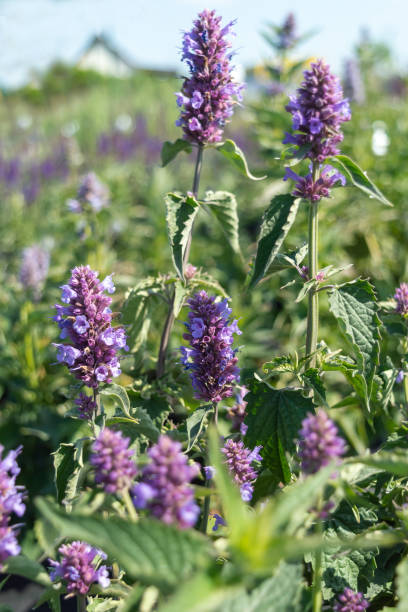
319, 442
111, 457
401, 297
34, 269
350, 601
165, 488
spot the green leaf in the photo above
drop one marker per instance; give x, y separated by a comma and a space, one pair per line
223, 206
141, 424
402, 585
282, 593
313, 379
181, 212
274, 418
234, 154
276, 223
180, 292
359, 178
136, 310
195, 424
64, 466
149, 551
170, 150
394, 463
100, 604
120, 393
355, 307
23, 566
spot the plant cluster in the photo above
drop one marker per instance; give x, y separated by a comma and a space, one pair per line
197, 485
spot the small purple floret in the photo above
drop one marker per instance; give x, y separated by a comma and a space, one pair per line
78, 568
165, 488
350, 601
92, 193
211, 359
112, 459
319, 442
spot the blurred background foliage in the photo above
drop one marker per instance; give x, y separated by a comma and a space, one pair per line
73, 121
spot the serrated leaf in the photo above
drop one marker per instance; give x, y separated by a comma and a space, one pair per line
276, 223
223, 206
279, 364
119, 392
274, 418
394, 463
281, 592
235, 155
359, 178
313, 379
181, 212
140, 423
64, 466
305, 289
195, 424
355, 307
149, 551
180, 292
170, 150
23, 566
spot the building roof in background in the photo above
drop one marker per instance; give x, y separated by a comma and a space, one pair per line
101, 55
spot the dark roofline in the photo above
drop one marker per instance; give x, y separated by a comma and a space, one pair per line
103, 39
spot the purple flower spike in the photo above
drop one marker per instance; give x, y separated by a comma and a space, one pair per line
239, 460
11, 502
34, 269
318, 110
311, 190
209, 94
78, 568
319, 442
238, 412
211, 358
86, 322
350, 601
165, 488
401, 297
92, 193
287, 37
86, 406
111, 458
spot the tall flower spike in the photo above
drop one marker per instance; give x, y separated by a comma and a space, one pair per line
78, 568
208, 95
11, 502
239, 460
287, 36
86, 321
401, 297
350, 601
165, 488
319, 442
211, 359
111, 458
318, 110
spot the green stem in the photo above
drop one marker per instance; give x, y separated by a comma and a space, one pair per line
206, 509
129, 506
313, 303
168, 325
406, 389
81, 603
317, 574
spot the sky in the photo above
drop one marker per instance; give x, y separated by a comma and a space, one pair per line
34, 33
